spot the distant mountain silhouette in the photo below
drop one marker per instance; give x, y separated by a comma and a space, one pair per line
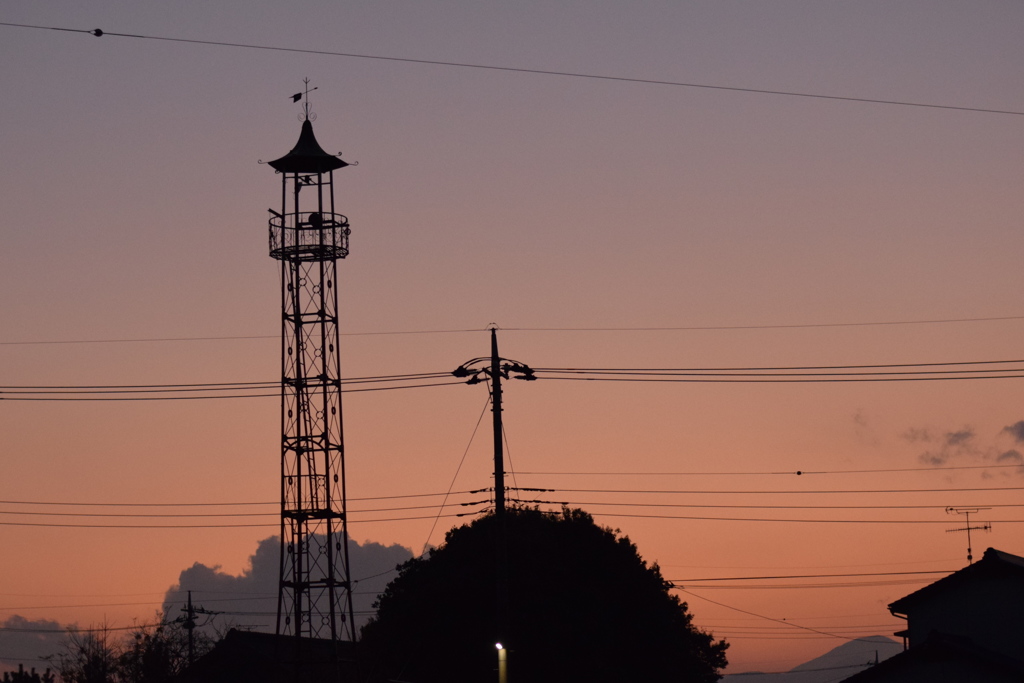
834, 665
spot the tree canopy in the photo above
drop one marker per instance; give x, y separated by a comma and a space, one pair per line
145, 654
582, 606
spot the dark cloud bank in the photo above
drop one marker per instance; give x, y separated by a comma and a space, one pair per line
28, 642
249, 600
964, 446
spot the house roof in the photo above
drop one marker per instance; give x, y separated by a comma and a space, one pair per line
250, 657
994, 564
954, 656
307, 156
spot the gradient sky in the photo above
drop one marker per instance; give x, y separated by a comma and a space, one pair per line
134, 208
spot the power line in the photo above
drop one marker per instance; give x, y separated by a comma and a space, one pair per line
797, 326
700, 506
705, 518
206, 397
807, 586
769, 473
825, 373
208, 526
127, 388
761, 616
219, 338
136, 515
692, 328
215, 503
75, 629
458, 469
787, 492
765, 379
800, 671
804, 576
538, 72
784, 367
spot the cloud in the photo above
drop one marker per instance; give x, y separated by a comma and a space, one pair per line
1010, 457
249, 600
960, 438
965, 447
864, 430
28, 641
1016, 430
957, 445
915, 435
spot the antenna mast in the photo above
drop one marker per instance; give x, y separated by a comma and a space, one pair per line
967, 512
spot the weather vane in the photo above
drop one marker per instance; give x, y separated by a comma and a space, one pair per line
307, 109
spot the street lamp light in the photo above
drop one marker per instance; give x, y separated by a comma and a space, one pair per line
502, 663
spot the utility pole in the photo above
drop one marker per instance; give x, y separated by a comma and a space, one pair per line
189, 623
497, 368
499, 451
967, 512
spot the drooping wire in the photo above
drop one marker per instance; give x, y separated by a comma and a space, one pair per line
537, 72
770, 473
426, 544
800, 326
215, 503
508, 455
784, 622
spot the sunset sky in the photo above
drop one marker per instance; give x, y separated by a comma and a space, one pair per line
598, 223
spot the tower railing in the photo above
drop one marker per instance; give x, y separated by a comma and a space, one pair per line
309, 236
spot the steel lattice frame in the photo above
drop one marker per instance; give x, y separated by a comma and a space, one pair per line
315, 598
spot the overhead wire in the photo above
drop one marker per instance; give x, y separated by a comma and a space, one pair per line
707, 518
716, 328
761, 616
722, 506
208, 526
807, 576
203, 390
221, 338
772, 473
137, 515
887, 372
458, 469
522, 70
963, 489
767, 379
20, 396
900, 372
216, 503
691, 328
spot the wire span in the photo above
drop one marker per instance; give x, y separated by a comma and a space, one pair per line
536, 72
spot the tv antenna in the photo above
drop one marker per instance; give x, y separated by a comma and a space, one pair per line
967, 512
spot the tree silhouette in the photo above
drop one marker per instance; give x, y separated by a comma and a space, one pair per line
88, 657
583, 606
22, 676
146, 654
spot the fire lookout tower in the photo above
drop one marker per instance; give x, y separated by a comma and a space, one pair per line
308, 237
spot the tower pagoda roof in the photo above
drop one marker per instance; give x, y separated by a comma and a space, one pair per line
307, 156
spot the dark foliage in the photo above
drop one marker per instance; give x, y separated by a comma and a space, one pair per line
144, 655
583, 606
22, 676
